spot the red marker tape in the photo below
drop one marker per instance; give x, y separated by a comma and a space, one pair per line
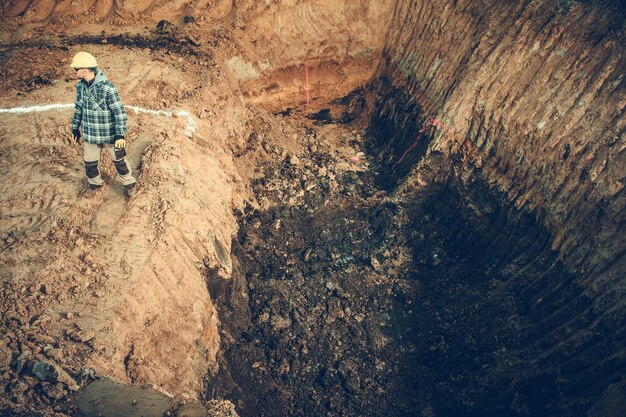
308, 87
431, 122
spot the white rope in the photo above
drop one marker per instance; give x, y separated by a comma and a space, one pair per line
31, 109
191, 123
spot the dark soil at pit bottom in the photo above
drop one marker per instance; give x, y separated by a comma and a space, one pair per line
363, 304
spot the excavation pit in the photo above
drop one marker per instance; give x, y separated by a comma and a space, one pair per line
392, 208
365, 301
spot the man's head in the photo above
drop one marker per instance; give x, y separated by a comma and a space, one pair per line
85, 65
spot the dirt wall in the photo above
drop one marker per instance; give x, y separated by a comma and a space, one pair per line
291, 50
108, 286
528, 95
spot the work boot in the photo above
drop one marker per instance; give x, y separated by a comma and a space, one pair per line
130, 192
91, 191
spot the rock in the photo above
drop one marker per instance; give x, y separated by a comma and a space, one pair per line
334, 309
43, 319
55, 354
309, 185
54, 391
263, 318
88, 373
166, 28
310, 254
221, 408
82, 336
22, 360
42, 338
6, 356
45, 371
50, 371
353, 383
280, 323
376, 264
284, 367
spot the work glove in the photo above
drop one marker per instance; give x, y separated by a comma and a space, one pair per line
76, 134
120, 143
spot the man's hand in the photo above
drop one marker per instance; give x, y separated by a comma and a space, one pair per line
120, 143
76, 134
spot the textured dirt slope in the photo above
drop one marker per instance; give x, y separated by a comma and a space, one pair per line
102, 283
337, 42
121, 287
44, 11
276, 41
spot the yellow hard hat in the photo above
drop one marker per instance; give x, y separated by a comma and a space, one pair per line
84, 60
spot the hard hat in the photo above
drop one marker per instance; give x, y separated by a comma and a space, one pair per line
84, 60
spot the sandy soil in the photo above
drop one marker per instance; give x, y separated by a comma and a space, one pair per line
118, 288
107, 284
128, 290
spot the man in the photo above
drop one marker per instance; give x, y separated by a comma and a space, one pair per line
101, 117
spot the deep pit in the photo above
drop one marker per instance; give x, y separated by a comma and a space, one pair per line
364, 301
397, 208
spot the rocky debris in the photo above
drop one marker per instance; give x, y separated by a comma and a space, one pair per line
320, 284
280, 323
6, 356
357, 294
22, 360
166, 28
81, 335
50, 371
217, 408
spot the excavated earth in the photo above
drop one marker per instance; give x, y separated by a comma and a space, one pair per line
345, 208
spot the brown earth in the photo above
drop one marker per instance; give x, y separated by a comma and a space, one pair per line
115, 288
95, 280
493, 191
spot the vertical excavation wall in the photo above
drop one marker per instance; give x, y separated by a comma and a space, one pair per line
529, 98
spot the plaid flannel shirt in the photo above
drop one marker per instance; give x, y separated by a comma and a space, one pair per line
98, 111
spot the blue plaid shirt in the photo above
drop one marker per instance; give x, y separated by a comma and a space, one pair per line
98, 111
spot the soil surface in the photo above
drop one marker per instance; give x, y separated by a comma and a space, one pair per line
90, 287
366, 302
342, 209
